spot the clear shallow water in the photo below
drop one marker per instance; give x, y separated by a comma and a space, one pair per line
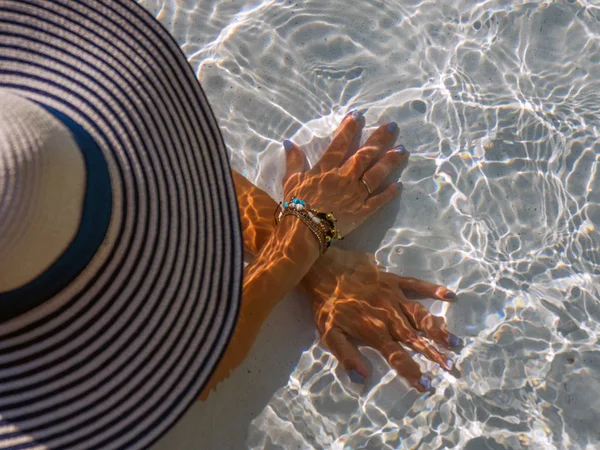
497, 101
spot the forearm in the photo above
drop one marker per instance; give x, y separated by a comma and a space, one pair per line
283, 254
280, 264
257, 211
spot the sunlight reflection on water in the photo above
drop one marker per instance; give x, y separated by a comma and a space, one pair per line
497, 103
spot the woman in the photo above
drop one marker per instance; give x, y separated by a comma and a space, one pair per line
351, 296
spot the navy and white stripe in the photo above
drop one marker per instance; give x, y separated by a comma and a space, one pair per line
93, 221
113, 360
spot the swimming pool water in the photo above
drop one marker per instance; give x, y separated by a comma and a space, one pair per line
497, 101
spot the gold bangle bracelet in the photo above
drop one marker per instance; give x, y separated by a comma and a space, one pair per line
317, 231
321, 224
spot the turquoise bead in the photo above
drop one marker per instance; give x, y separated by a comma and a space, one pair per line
297, 201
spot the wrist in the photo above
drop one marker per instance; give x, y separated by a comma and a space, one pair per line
322, 224
299, 243
319, 275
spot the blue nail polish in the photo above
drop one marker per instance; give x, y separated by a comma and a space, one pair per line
399, 185
400, 149
425, 382
356, 377
356, 114
453, 340
450, 295
450, 364
288, 145
391, 127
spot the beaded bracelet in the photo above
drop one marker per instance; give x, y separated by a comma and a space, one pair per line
321, 224
324, 241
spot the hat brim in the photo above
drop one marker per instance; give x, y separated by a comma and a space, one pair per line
113, 360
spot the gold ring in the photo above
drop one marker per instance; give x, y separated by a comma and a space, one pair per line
366, 185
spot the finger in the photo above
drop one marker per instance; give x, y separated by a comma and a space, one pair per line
384, 136
377, 201
422, 346
382, 168
358, 163
345, 352
295, 160
403, 330
379, 141
404, 365
433, 327
342, 140
415, 286
421, 287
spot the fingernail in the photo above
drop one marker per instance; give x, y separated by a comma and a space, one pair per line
356, 114
356, 377
288, 145
453, 341
450, 295
401, 149
391, 127
425, 382
399, 185
450, 364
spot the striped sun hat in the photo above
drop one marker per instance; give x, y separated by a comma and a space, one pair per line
120, 247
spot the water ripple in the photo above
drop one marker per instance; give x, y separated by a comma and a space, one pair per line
497, 101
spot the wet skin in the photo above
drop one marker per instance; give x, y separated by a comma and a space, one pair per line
351, 296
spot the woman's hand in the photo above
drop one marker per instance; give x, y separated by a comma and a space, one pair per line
334, 183
352, 297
